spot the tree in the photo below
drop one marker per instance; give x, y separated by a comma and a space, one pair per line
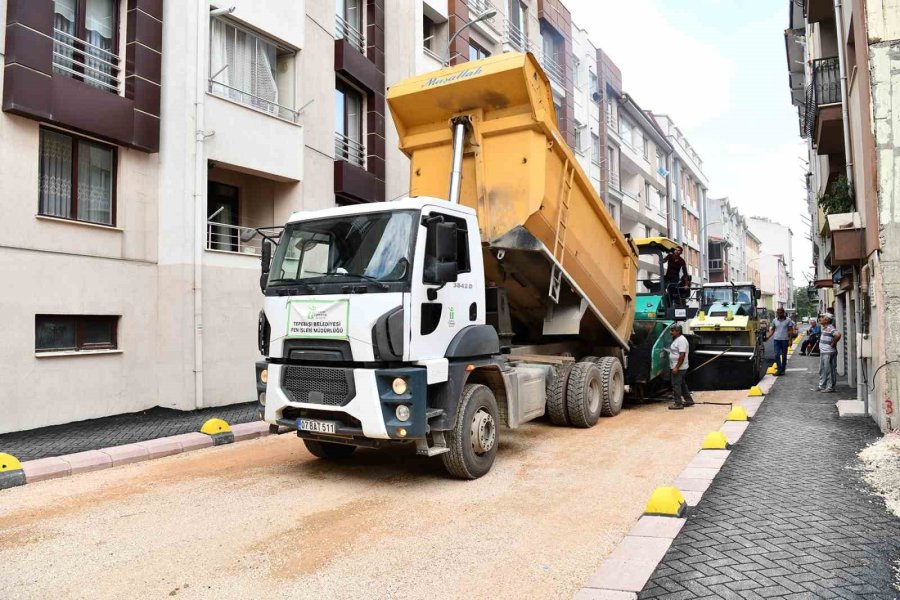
803, 304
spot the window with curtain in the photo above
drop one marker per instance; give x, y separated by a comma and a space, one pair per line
77, 178
243, 67
85, 33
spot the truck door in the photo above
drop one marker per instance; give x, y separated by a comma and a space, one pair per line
440, 311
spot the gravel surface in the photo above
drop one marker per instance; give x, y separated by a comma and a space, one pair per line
264, 519
881, 465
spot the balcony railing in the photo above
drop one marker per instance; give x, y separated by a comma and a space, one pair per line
231, 238
247, 99
825, 88
515, 37
92, 64
614, 180
350, 150
432, 54
554, 70
348, 32
715, 264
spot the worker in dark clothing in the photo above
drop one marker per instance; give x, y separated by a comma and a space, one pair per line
676, 273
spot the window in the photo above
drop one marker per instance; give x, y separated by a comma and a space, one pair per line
85, 34
648, 232
349, 22
223, 216
579, 137
646, 148
348, 126
55, 333
576, 72
250, 69
612, 212
660, 161
557, 109
595, 86
77, 178
517, 33
649, 193
476, 52
595, 149
625, 129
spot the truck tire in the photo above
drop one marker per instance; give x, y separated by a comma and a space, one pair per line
613, 386
584, 394
474, 438
328, 450
556, 395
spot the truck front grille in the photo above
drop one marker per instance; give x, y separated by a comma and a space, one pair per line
318, 385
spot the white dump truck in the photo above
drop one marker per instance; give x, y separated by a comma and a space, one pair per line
435, 319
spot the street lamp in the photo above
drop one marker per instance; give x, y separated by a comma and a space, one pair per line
491, 12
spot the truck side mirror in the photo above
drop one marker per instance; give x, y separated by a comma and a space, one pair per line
264, 262
757, 294
441, 253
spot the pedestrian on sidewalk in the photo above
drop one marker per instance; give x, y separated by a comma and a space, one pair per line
678, 363
828, 340
783, 328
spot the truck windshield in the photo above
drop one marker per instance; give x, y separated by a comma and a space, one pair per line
728, 295
371, 248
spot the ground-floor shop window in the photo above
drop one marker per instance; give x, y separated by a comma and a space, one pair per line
56, 333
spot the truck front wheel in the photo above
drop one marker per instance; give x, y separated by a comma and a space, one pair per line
328, 449
474, 438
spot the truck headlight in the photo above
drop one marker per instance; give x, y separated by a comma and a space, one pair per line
399, 386
262, 399
264, 376
402, 412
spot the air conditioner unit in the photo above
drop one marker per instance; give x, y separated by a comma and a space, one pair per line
864, 345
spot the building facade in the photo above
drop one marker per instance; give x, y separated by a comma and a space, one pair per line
777, 240
841, 59
688, 188
727, 241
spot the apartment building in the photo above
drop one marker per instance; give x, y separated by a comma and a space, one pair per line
586, 101
753, 252
774, 281
727, 241
778, 240
840, 59
689, 186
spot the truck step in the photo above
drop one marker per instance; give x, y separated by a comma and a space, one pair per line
432, 451
431, 413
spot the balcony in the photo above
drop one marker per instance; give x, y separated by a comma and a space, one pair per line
478, 7
350, 150
716, 265
822, 111
516, 38
223, 237
554, 70
86, 62
346, 31
249, 100
848, 241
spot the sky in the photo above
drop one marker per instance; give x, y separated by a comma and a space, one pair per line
718, 69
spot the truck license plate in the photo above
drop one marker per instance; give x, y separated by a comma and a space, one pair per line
316, 426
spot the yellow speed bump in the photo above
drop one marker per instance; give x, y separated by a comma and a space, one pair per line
772, 370
666, 502
715, 440
756, 391
738, 413
219, 431
11, 473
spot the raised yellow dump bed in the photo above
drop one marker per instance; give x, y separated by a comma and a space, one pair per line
532, 197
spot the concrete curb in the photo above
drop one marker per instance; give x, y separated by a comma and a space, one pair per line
105, 458
627, 570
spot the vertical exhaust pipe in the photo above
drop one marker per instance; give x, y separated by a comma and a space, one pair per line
459, 138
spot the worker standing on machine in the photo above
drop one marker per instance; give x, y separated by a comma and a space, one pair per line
676, 273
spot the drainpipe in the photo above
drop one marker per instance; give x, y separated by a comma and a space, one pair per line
842, 67
848, 153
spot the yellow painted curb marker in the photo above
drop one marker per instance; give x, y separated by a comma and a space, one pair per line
756, 391
8, 462
715, 440
214, 426
666, 502
738, 413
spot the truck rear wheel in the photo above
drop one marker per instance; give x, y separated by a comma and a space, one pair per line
613, 386
556, 395
474, 438
584, 394
328, 449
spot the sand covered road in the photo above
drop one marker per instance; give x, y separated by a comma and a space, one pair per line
264, 519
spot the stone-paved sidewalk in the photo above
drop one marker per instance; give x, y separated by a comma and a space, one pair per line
117, 430
788, 515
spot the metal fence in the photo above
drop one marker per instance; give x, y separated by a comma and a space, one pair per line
554, 70
247, 99
224, 237
346, 31
348, 149
80, 59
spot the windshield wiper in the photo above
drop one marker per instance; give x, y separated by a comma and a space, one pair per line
292, 282
362, 276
